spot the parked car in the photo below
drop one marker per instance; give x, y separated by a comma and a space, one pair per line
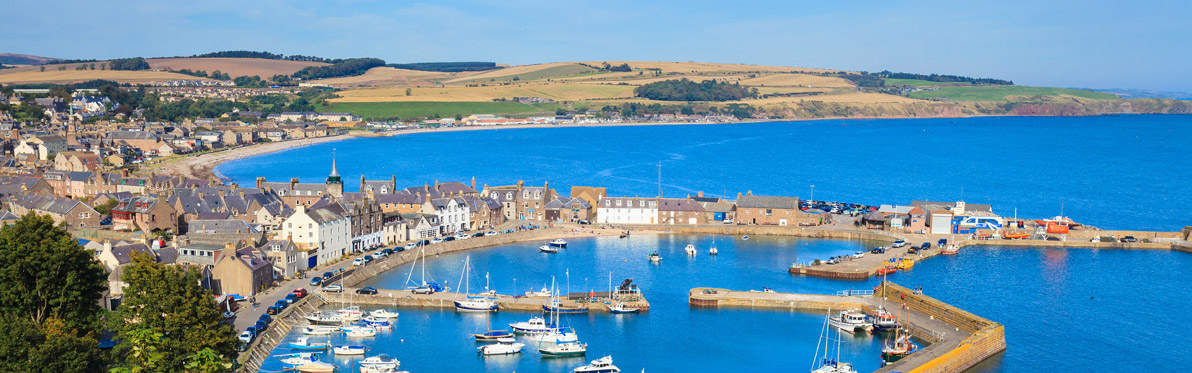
265, 318
1128, 239
478, 234
583, 221
878, 250
943, 241
899, 243
300, 292
247, 336
387, 252
449, 238
242, 347
490, 233
291, 298
423, 290
859, 255
260, 326
272, 310
229, 314
461, 236
367, 258
436, 240
316, 281
357, 262
327, 275
411, 245
367, 290
281, 305
333, 288
925, 246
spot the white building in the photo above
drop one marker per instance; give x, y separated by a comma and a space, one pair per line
322, 233
453, 213
627, 210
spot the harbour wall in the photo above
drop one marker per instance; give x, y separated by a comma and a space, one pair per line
770, 230
719, 298
987, 338
261, 347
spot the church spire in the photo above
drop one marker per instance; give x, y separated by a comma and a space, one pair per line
334, 172
334, 178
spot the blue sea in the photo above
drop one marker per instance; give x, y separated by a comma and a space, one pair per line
1125, 172
1064, 309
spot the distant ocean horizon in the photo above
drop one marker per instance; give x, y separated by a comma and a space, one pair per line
1124, 172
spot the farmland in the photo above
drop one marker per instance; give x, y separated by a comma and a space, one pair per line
32, 74
1003, 93
234, 67
440, 109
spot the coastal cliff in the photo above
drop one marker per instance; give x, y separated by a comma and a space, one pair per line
1031, 106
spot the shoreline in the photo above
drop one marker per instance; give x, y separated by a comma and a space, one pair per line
205, 165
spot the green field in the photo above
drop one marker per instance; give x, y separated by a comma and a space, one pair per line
407, 110
999, 93
550, 72
920, 83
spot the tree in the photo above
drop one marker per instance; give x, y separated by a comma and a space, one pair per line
207, 361
169, 300
409, 92
143, 354
43, 69
459, 117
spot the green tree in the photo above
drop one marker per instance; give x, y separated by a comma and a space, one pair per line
43, 69
169, 300
207, 361
47, 274
106, 207
409, 92
143, 354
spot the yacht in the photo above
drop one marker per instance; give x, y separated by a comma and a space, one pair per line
713, 251
850, 322
825, 363
558, 335
573, 348
350, 313
503, 346
541, 293
601, 365
319, 330
383, 314
349, 350
536, 325
483, 303
690, 250
558, 242
316, 318
548, 249
359, 332
379, 363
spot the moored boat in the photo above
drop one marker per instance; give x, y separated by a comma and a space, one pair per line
548, 249
493, 335
304, 344
573, 348
316, 318
536, 325
886, 270
654, 257
319, 330
621, 308
952, 249
884, 321
902, 347
558, 307
541, 293
379, 364
601, 365
690, 249
503, 346
850, 321
359, 332
383, 314
349, 350
350, 313
558, 242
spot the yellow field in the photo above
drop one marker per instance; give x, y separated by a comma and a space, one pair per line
556, 91
52, 75
690, 67
234, 67
378, 76
797, 80
857, 97
510, 71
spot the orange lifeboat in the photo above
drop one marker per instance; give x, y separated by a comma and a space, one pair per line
1016, 235
1057, 227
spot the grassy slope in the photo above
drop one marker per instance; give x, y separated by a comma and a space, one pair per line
549, 72
1000, 93
429, 109
921, 83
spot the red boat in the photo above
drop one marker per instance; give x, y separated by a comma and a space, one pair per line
887, 270
1057, 227
1016, 235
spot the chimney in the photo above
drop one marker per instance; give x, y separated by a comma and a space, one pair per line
221, 193
738, 196
107, 246
393, 180
436, 184
293, 183
749, 193
699, 194
242, 194
362, 182
124, 173
234, 186
260, 182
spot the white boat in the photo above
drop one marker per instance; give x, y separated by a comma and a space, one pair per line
850, 322
316, 318
304, 344
712, 250
298, 358
621, 308
471, 303
558, 242
536, 325
349, 350
383, 314
503, 346
573, 348
548, 249
558, 335
690, 249
360, 332
379, 364
319, 330
883, 320
655, 258
601, 365
825, 363
350, 313
545, 292
378, 324
306, 362
315, 367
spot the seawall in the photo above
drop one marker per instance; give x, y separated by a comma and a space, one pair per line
984, 339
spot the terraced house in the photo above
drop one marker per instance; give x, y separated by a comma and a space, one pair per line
521, 202
62, 210
627, 210
145, 214
321, 233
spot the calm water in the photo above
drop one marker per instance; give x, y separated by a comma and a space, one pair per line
1126, 172
672, 337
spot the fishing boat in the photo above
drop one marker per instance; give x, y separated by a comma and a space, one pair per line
319, 330
902, 346
850, 321
360, 332
503, 346
349, 350
548, 249
825, 363
493, 335
383, 314
1016, 235
654, 257
471, 303
561, 349
883, 321
690, 249
558, 242
621, 308
545, 292
558, 307
379, 364
536, 325
350, 313
951, 249
886, 270
601, 365
304, 344
316, 318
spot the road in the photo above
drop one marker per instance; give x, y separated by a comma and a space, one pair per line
247, 315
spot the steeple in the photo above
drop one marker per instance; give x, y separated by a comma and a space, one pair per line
335, 185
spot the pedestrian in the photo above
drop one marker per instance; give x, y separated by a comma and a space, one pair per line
903, 296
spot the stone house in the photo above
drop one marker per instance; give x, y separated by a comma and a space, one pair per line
767, 210
245, 271
672, 211
627, 210
146, 214
62, 210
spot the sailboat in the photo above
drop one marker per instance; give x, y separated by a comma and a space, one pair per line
712, 250
902, 346
483, 303
827, 364
554, 332
883, 321
424, 287
561, 349
690, 249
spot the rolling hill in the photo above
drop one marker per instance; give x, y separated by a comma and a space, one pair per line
234, 67
23, 59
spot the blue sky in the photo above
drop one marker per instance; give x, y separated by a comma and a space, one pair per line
1097, 44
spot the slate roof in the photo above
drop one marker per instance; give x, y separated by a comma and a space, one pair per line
678, 204
132, 135
769, 202
123, 253
136, 205
51, 204
223, 226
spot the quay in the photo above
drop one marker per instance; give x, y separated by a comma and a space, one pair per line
957, 339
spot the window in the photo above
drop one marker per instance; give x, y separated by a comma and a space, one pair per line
769, 212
